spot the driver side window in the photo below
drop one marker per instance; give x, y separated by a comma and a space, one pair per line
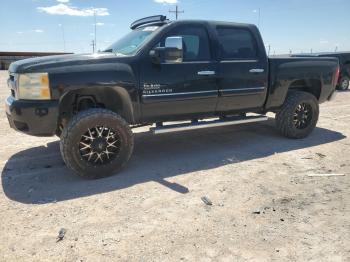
195, 43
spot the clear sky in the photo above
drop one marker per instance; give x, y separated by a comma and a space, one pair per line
68, 25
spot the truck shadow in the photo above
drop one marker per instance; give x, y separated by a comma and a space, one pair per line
38, 175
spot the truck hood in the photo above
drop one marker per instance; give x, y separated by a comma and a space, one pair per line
60, 62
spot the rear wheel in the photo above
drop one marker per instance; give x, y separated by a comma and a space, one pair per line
96, 143
344, 83
298, 116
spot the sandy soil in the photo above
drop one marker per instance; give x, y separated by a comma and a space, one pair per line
266, 207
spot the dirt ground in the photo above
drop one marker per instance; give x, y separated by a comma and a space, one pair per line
266, 206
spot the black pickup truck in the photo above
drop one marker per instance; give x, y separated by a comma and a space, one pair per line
203, 73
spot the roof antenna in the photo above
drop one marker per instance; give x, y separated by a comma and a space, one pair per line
177, 11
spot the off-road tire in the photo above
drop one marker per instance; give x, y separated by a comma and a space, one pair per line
341, 86
78, 125
285, 117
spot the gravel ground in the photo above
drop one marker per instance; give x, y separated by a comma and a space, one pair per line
266, 206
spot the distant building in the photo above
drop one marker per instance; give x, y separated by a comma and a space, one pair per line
6, 58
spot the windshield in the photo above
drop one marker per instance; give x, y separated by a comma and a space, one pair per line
129, 44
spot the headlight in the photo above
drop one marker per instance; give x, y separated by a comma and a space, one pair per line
34, 86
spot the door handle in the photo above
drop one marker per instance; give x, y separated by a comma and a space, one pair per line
256, 70
206, 73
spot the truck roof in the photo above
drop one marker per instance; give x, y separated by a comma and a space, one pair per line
162, 20
213, 22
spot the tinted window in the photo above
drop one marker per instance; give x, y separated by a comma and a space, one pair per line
236, 43
347, 59
195, 42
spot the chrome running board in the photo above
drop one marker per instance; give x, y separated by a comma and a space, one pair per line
207, 124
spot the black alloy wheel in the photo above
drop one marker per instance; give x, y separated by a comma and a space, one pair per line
302, 116
99, 145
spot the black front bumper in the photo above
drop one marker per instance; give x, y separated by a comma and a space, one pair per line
37, 118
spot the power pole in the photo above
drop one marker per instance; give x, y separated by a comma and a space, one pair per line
177, 11
95, 42
93, 46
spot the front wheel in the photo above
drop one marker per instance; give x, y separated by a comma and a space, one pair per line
344, 83
298, 116
96, 143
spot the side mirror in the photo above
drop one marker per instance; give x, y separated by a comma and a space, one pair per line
157, 55
171, 53
173, 49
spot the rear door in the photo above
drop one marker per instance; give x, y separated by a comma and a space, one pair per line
243, 69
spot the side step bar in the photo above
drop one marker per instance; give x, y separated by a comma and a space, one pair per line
206, 124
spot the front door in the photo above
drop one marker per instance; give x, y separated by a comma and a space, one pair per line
185, 89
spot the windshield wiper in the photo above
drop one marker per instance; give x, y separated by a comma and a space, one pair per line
115, 53
119, 54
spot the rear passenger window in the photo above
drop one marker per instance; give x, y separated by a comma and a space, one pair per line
236, 44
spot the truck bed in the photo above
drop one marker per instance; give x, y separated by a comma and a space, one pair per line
300, 73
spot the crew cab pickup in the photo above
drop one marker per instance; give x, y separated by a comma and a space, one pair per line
203, 73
